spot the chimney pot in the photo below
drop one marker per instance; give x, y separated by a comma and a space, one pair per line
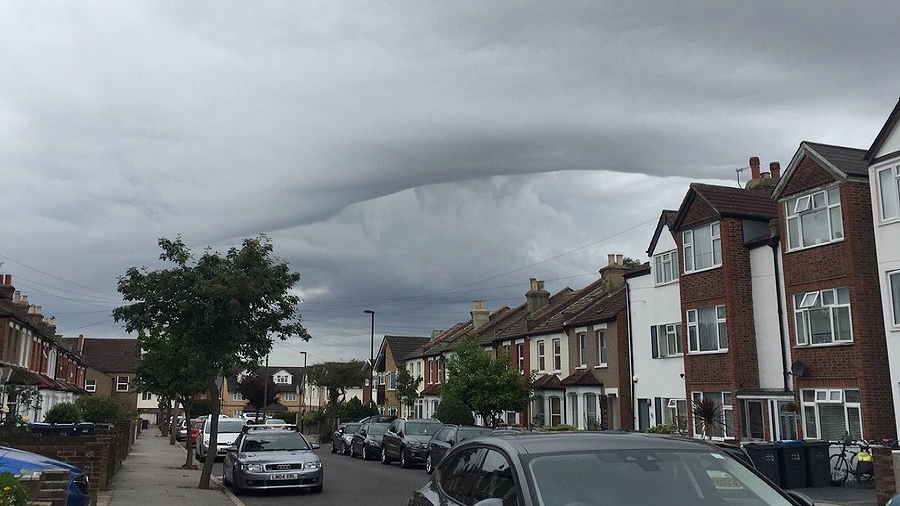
775, 169
620, 259
754, 167
611, 259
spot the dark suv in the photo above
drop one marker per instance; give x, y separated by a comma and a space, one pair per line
448, 436
407, 440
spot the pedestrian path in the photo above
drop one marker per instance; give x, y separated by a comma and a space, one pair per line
152, 475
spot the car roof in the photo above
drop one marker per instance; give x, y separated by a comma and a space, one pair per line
555, 442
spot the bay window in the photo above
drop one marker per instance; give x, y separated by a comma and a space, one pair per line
823, 317
814, 219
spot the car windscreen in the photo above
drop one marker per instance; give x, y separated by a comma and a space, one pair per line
422, 428
263, 441
351, 428
378, 429
231, 425
674, 478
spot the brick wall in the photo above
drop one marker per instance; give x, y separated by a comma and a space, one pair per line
885, 481
52, 489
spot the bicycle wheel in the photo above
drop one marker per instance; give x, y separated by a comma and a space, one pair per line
840, 469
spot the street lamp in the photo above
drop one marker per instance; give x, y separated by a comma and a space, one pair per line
372, 360
302, 388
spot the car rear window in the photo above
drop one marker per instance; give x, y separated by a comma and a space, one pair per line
231, 425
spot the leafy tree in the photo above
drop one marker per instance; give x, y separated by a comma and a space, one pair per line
453, 410
354, 409
200, 407
407, 387
337, 377
486, 386
225, 309
258, 392
631, 263
99, 408
64, 412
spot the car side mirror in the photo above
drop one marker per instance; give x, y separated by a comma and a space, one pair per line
315, 446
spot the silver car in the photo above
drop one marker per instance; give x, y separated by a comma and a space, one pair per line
228, 431
273, 457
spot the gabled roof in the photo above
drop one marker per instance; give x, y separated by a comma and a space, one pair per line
884, 134
120, 355
547, 382
604, 308
400, 347
728, 202
665, 224
840, 161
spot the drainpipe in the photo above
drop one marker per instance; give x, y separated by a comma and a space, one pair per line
773, 243
634, 412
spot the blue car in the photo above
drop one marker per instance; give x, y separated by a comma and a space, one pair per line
21, 463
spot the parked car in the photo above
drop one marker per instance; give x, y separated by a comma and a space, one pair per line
367, 440
182, 431
407, 440
228, 430
379, 419
20, 463
272, 457
580, 468
196, 426
275, 421
342, 436
446, 437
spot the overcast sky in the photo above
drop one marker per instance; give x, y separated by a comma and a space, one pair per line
410, 157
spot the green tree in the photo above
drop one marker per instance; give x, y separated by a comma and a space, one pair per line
407, 387
200, 407
226, 309
485, 385
453, 410
99, 408
64, 412
257, 391
337, 377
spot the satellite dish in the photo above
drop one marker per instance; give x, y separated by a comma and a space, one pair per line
798, 369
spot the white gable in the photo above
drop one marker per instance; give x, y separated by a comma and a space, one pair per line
891, 144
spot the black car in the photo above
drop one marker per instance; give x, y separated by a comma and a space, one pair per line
446, 437
341, 437
582, 468
367, 440
407, 440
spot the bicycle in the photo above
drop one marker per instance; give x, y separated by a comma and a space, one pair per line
852, 463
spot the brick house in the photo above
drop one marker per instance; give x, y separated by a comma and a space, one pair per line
838, 347
288, 386
884, 183
390, 357
732, 341
112, 370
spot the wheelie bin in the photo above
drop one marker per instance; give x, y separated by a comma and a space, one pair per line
793, 463
818, 465
765, 457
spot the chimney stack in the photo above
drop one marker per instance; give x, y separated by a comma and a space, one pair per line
775, 170
613, 275
6, 287
537, 297
480, 314
754, 167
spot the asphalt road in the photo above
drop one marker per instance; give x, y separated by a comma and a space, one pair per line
348, 481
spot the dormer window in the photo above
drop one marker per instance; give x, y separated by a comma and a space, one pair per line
282, 379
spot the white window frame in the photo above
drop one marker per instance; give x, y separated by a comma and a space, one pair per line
725, 429
290, 397
520, 357
237, 396
894, 293
541, 356
814, 400
90, 385
120, 385
797, 208
392, 380
582, 349
835, 302
694, 330
692, 263
665, 267
668, 340
602, 349
676, 413
888, 180
282, 379
557, 355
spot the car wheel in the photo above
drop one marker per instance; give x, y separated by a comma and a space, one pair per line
234, 485
225, 480
429, 467
384, 457
404, 460
365, 453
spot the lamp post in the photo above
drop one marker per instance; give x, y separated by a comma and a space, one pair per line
265, 393
302, 388
372, 360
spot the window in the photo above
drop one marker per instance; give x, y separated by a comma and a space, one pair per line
889, 192
707, 330
555, 411
814, 219
573, 409
121, 383
282, 379
90, 385
676, 413
494, 480
823, 317
430, 372
601, 347
146, 396
542, 363
592, 421
557, 355
392, 380
582, 349
520, 356
537, 413
665, 265
456, 475
665, 340
290, 397
752, 424
829, 413
702, 248
894, 283
237, 396
723, 427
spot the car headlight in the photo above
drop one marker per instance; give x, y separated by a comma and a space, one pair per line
29, 474
312, 465
253, 468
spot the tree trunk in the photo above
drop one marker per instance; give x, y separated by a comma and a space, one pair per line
188, 404
213, 433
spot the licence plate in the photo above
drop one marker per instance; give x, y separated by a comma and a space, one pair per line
287, 476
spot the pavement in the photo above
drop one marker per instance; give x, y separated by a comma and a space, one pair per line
152, 475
